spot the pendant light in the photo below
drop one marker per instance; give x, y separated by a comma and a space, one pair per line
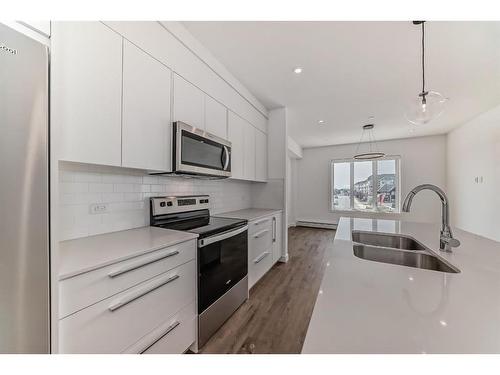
372, 152
427, 105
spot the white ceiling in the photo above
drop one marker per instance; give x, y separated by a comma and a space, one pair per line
353, 70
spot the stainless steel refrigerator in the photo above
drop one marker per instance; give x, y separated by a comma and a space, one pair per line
24, 195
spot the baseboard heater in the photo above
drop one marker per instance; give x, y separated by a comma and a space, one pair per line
316, 224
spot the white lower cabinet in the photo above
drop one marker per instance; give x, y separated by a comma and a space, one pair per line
83, 290
172, 337
156, 315
264, 245
277, 237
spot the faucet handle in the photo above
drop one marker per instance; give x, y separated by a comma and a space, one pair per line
447, 242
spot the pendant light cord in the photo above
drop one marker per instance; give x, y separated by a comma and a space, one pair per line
423, 58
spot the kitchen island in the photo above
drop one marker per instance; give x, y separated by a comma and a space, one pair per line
365, 306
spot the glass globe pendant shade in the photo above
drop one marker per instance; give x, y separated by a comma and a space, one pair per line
425, 108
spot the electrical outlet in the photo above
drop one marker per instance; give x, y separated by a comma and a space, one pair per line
98, 208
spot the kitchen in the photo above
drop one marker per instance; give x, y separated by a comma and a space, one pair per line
180, 195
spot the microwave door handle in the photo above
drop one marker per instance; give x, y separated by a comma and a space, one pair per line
225, 155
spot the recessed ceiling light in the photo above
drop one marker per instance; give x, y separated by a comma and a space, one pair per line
321, 122
298, 70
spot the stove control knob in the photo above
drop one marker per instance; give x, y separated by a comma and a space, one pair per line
162, 204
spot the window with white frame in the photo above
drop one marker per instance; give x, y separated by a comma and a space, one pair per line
370, 186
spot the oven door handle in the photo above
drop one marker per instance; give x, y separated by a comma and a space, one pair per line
222, 236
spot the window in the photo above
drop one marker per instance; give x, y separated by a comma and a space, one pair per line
371, 186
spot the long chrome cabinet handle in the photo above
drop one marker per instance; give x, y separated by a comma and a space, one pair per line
169, 329
274, 229
262, 221
142, 292
261, 233
261, 256
145, 262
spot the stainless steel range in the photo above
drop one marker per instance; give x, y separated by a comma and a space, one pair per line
222, 256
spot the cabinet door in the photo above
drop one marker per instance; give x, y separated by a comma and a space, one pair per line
87, 91
215, 117
188, 103
146, 111
236, 135
249, 155
260, 156
277, 237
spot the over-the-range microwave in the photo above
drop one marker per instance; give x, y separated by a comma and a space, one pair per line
197, 152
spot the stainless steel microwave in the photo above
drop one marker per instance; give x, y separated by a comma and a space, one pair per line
198, 152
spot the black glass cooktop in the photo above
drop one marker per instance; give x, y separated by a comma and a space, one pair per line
197, 222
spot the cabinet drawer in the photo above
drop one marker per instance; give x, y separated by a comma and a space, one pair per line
173, 337
259, 265
113, 325
86, 289
260, 241
259, 225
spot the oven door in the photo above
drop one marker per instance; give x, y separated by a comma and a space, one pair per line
222, 263
199, 152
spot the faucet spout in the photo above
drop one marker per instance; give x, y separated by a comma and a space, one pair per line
446, 240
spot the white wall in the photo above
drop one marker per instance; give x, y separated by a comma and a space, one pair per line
474, 152
423, 160
294, 149
126, 193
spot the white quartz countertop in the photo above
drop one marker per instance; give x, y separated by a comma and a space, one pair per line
370, 307
249, 213
89, 253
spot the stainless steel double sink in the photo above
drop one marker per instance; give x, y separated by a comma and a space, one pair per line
398, 249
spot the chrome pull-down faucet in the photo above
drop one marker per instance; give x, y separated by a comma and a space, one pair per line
446, 240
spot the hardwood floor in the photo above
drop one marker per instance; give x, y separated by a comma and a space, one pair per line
277, 314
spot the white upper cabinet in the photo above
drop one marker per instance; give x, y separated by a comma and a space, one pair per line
236, 135
87, 91
215, 117
260, 156
189, 103
146, 129
249, 154
42, 27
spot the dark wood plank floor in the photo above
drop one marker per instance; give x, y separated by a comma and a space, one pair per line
276, 317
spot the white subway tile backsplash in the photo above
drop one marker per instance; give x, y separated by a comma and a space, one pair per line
100, 188
158, 188
127, 192
130, 197
113, 178
125, 188
150, 180
112, 197
73, 187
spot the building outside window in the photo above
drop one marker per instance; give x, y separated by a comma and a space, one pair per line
371, 186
